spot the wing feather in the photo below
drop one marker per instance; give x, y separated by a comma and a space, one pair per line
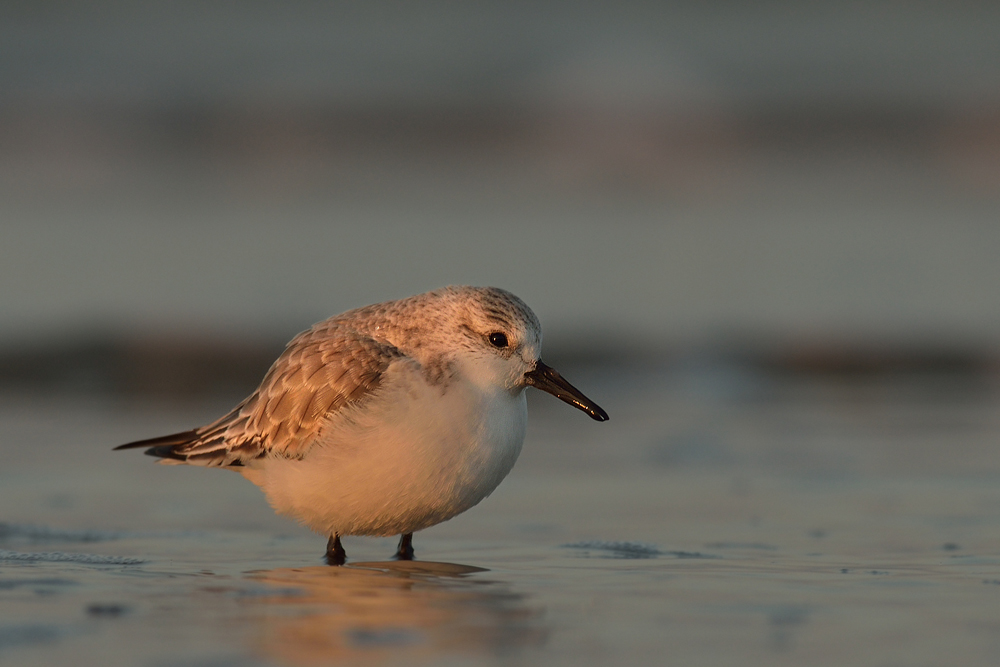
321, 371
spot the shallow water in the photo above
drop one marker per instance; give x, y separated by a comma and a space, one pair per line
737, 521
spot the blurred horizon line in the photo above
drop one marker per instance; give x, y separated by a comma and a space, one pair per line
194, 366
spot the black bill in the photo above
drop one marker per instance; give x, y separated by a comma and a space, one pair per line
548, 379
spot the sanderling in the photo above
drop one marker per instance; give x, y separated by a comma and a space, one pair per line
386, 419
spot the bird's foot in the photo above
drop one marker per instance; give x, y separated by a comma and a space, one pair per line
335, 554
405, 549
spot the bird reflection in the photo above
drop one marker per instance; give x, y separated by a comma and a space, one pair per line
370, 612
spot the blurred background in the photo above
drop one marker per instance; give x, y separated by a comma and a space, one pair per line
648, 176
184, 186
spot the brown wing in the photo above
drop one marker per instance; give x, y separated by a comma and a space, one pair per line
321, 371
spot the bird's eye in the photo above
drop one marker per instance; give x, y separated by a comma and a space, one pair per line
498, 339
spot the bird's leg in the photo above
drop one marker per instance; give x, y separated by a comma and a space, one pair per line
405, 549
335, 554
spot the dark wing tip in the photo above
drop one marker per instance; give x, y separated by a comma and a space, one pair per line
165, 452
164, 447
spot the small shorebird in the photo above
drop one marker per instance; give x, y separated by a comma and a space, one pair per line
386, 419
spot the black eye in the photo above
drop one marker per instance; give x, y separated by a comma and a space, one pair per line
498, 339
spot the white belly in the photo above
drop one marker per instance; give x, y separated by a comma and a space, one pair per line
409, 458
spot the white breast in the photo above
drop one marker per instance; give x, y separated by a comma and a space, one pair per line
412, 456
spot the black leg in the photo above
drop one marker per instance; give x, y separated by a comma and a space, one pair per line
335, 554
405, 549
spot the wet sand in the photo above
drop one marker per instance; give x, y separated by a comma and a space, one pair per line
718, 519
